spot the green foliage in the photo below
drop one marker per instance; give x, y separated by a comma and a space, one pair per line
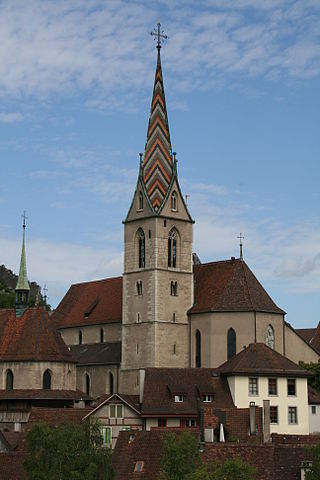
70, 452
181, 461
314, 453
180, 456
7, 299
314, 368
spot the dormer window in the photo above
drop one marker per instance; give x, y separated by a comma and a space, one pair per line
179, 398
140, 201
207, 398
174, 202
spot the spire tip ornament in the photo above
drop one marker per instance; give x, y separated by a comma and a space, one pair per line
241, 237
158, 34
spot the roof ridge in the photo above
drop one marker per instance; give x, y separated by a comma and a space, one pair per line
97, 281
242, 264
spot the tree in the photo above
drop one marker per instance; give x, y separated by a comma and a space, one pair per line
181, 461
69, 452
313, 472
181, 456
314, 368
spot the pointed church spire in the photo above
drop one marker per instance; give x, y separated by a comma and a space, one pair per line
22, 287
158, 163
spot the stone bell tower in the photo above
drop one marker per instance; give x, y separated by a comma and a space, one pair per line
158, 235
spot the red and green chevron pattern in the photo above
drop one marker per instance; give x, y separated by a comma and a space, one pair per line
158, 165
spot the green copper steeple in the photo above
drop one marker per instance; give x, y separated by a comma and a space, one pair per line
23, 287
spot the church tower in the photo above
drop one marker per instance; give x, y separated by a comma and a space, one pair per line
158, 235
22, 287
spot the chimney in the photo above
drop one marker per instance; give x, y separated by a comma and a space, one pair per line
252, 418
266, 421
142, 374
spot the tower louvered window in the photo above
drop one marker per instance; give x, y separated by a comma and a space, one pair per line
142, 248
172, 249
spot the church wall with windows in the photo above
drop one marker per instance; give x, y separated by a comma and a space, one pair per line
99, 379
91, 333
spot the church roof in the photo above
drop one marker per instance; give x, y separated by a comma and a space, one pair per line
97, 353
315, 341
259, 359
40, 394
90, 303
306, 333
161, 384
158, 163
31, 337
229, 286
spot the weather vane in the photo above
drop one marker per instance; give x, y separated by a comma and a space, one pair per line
24, 219
241, 237
158, 34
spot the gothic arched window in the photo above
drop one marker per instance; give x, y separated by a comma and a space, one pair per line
141, 248
101, 335
111, 384
198, 349
87, 383
174, 201
80, 337
172, 248
232, 343
9, 380
46, 380
140, 201
270, 336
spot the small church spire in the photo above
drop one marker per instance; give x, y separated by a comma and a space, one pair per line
22, 287
158, 168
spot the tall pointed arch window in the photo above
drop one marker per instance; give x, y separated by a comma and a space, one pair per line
46, 380
174, 202
270, 336
9, 380
101, 335
141, 248
198, 349
87, 383
231, 343
172, 248
80, 337
140, 201
111, 383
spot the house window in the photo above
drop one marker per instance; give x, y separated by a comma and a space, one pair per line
291, 386
313, 409
253, 386
273, 414
172, 249
270, 336
162, 422
207, 398
140, 204
191, 422
80, 337
111, 383
139, 466
292, 415
179, 398
9, 380
231, 340
87, 383
106, 435
174, 202
101, 335
46, 380
198, 349
141, 248
174, 289
139, 287
272, 386
116, 411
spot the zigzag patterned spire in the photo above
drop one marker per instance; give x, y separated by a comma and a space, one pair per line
158, 164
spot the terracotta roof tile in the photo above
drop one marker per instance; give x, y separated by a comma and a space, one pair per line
57, 416
31, 337
229, 285
91, 303
161, 384
34, 394
258, 359
306, 333
11, 466
315, 341
97, 353
16, 440
313, 396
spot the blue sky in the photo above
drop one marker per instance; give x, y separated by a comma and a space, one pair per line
242, 89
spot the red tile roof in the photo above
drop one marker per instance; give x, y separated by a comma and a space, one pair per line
31, 337
313, 396
315, 341
11, 466
229, 285
57, 416
258, 359
306, 333
15, 440
37, 394
90, 303
161, 384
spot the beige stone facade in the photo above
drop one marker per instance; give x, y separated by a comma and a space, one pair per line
99, 376
92, 333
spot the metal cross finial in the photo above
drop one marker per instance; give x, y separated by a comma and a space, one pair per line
241, 237
24, 219
158, 34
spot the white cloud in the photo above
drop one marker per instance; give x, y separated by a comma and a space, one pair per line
11, 117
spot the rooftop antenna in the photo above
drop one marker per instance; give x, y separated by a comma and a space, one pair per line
158, 34
241, 238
